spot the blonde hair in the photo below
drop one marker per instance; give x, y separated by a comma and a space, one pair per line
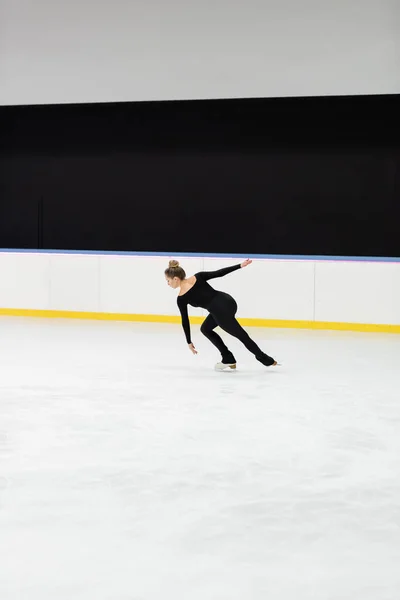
175, 270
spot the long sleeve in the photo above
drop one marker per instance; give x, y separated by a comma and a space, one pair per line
206, 275
182, 304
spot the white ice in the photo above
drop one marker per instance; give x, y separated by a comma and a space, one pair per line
130, 470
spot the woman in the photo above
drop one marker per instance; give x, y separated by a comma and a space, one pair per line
222, 308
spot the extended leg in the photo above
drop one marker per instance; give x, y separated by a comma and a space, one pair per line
207, 329
229, 324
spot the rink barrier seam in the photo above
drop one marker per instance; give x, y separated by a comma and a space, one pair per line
246, 322
297, 257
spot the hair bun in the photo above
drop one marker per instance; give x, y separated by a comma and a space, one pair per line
173, 264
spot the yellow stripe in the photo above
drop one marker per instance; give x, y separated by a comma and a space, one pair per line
273, 323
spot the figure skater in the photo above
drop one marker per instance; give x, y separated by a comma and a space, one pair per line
222, 308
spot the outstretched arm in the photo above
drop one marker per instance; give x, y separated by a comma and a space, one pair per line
206, 275
185, 318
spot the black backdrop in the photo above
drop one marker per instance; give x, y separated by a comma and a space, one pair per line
265, 176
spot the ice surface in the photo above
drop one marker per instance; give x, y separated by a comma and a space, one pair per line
130, 470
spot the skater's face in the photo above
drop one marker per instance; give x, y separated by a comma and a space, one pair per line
173, 282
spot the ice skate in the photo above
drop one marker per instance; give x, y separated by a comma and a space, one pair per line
228, 362
266, 360
221, 366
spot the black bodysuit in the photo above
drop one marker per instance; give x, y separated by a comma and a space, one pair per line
222, 308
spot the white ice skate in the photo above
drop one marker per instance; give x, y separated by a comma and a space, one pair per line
222, 366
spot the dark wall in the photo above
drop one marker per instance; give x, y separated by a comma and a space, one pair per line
269, 176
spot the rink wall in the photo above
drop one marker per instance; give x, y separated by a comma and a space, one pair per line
300, 292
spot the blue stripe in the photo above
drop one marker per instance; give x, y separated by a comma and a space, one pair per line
209, 255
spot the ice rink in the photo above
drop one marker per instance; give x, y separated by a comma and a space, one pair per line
130, 470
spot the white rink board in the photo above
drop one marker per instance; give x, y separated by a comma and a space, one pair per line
274, 289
